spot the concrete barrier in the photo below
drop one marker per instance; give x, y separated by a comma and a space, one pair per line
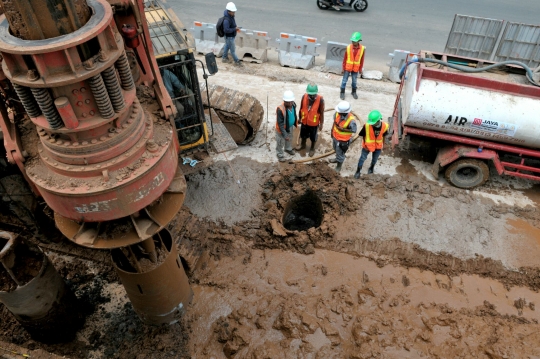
335, 52
252, 45
397, 60
207, 39
297, 51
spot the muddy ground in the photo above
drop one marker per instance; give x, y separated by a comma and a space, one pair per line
402, 264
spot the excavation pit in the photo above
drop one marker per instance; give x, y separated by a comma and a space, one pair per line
303, 212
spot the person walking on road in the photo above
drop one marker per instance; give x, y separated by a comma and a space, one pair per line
230, 28
311, 116
342, 130
353, 64
373, 134
285, 120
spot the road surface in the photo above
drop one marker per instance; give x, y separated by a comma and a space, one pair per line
386, 24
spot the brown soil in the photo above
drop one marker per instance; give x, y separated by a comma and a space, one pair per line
262, 291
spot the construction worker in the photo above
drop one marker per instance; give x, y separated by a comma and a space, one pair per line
230, 29
373, 134
311, 116
353, 64
342, 130
285, 120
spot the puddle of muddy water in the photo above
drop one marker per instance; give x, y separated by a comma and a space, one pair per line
341, 299
526, 246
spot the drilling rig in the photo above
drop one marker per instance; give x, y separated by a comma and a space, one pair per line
78, 138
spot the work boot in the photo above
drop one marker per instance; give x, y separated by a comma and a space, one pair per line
332, 160
354, 95
338, 166
302, 145
336, 7
312, 149
282, 159
342, 94
290, 152
239, 64
225, 60
370, 169
357, 174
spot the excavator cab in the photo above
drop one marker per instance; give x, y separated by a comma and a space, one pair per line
177, 67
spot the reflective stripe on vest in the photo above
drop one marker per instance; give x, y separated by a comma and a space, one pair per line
311, 117
336, 132
370, 142
353, 65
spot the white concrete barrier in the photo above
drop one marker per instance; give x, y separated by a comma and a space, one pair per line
252, 45
297, 51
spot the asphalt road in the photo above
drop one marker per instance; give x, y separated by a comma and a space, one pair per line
386, 24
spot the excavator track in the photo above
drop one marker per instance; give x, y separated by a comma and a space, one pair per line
241, 113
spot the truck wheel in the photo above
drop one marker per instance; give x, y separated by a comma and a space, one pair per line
467, 173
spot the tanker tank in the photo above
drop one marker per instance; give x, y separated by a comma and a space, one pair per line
497, 106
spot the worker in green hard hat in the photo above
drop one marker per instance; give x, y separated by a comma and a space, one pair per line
311, 115
353, 63
372, 134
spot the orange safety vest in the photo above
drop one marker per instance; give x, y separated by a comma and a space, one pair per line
284, 112
353, 65
310, 117
370, 142
337, 133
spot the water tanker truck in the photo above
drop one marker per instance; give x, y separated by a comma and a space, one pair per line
472, 113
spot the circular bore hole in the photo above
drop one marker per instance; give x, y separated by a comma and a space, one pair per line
303, 212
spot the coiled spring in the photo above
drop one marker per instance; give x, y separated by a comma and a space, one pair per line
122, 65
101, 96
27, 100
113, 88
46, 104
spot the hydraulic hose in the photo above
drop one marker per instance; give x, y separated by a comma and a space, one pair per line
529, 72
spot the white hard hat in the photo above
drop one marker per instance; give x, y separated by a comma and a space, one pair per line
343, 107
231, 7
288, 96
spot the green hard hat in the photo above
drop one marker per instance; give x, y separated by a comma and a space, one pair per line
373, 117
312, 89
356, 37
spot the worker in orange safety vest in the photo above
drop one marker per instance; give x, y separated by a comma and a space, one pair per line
343, 128
311, 115
373, 134
353, 64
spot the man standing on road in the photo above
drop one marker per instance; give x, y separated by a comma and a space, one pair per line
342, 130
285, 120
373, 134
353, 63
230, 28
311, 116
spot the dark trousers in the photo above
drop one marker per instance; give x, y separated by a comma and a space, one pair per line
374, 157
309, 132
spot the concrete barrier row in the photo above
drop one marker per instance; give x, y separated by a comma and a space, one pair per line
252, 46
294, 50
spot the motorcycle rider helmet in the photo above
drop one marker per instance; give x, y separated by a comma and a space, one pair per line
356, 37
374, 117
312, 89
231, 7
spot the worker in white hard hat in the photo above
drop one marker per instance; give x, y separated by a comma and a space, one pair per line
342, 130
286, 120
230, 29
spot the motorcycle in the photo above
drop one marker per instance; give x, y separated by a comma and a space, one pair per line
357, 5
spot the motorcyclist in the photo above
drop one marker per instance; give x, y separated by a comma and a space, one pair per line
337, 3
